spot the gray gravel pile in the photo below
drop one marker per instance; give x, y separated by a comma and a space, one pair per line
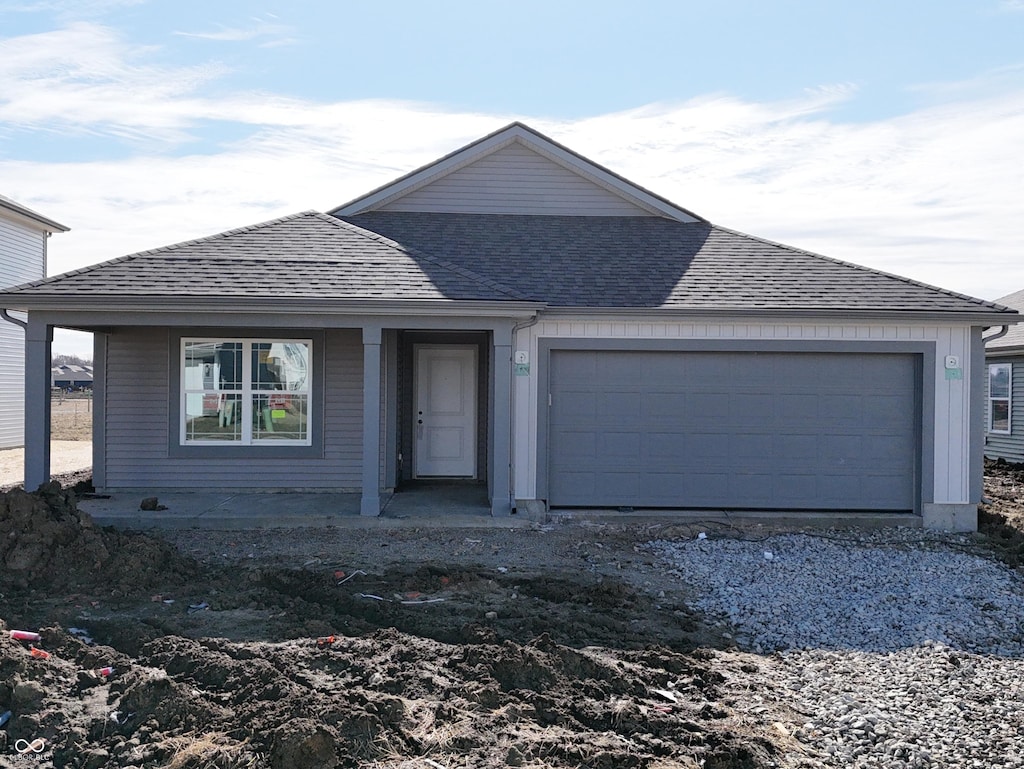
891, 649
879, 592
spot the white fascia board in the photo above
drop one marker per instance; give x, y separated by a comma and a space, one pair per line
29, 218
534, 141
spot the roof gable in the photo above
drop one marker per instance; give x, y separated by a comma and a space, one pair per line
516, 171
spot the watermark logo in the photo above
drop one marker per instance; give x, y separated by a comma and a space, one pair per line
28, 749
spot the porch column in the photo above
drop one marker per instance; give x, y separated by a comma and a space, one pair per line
370, 503
38, 339
501, 438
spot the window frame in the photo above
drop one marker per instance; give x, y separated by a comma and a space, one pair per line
1007, 399
245, 395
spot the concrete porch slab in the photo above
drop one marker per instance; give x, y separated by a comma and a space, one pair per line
429, 506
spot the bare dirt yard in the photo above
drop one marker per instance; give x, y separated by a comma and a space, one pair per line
71, 417
556, 646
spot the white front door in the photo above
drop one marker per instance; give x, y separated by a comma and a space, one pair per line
444, 414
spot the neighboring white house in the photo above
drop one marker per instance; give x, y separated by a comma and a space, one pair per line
23, 235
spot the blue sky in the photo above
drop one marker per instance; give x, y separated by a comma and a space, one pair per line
890, 134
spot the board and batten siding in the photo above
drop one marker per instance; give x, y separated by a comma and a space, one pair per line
22, 259
515, 180
951, 419
999, 445
138, 419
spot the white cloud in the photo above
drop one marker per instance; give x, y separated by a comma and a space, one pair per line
933, 194
83, 78
270, 33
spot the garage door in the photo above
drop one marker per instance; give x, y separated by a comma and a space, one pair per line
733, 430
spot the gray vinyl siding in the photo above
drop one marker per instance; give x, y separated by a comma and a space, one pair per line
998, 445
139, 415
515, 180
22, 258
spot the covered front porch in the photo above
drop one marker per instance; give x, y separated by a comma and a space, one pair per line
362, 429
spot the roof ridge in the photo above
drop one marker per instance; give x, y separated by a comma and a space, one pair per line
443, 263
862, 268
160, 249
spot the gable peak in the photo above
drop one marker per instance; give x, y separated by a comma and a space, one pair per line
488, 176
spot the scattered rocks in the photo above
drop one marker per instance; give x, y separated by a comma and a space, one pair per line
901, 648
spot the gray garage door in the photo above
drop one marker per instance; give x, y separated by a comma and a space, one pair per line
732, 430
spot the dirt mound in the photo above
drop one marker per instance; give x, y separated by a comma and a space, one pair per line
48, 545
248, 663
1001, 519
378, 701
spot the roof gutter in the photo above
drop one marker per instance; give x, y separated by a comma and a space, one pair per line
980, 318
163, 304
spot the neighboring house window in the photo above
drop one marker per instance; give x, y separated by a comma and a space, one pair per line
999, 398
245, 392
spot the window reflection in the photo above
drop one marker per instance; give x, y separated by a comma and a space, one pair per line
245, 391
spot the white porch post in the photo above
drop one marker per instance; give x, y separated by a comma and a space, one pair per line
501, 438
370, 503
38, 339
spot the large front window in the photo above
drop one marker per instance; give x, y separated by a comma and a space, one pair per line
245, 392
999, 383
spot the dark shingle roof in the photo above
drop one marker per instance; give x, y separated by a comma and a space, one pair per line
561, 261
305, 256
1015, 336
651, 262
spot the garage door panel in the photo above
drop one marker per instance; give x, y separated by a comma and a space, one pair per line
752, 409
619, 405
797, 407
837, 408
665, 368
665, 405
580, 445
747, 447
796, 489
884, 409
582, 367
767, 430
799, 447
620, 446
579, 404
708, 373
893, 449
621, 488
706, 405
841, 448
746, 487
